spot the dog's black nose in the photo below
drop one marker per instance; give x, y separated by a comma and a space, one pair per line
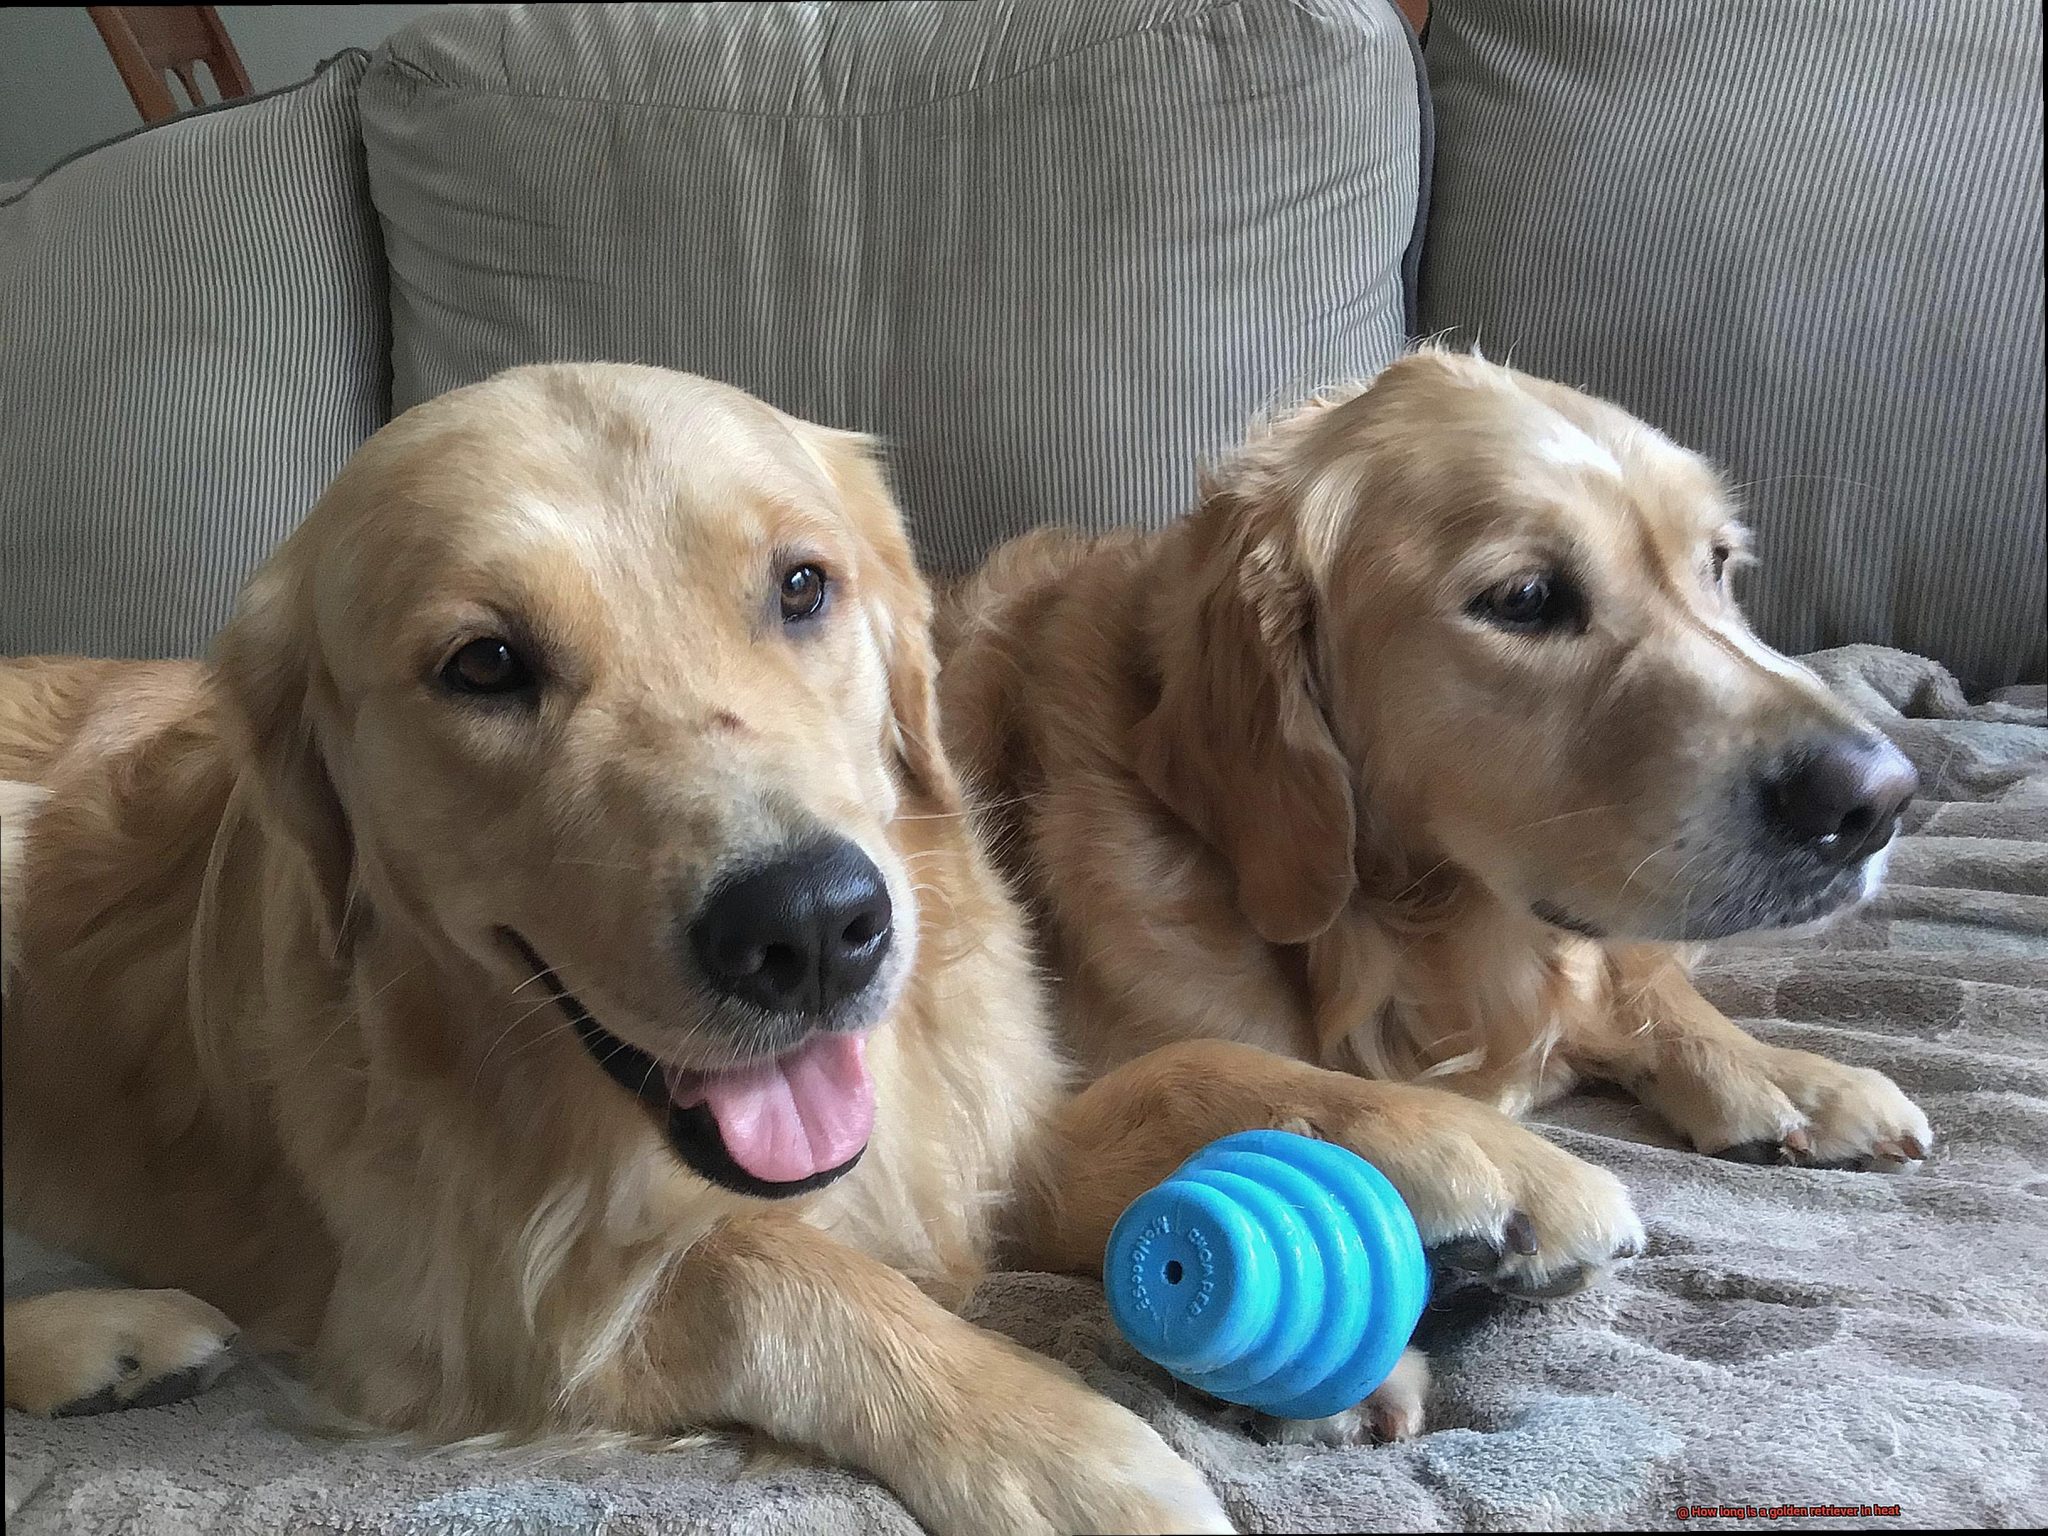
1843, 798
798, 935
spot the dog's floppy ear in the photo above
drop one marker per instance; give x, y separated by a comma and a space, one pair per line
901, 605
1237, 746
266, 671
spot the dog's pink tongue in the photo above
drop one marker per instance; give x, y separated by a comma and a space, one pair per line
793, 1117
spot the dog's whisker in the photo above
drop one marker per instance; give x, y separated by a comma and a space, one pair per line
391, 981
975, 807
351, 1012
1662, 848
1692, 890
565, 1026
483, 1061
1417, 883
500, 1038
311, 1057
1850, 480
1591, 810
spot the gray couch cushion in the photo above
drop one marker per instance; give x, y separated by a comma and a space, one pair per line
1050, 251
192, 326
1805, 238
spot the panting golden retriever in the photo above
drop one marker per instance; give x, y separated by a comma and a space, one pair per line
1423, 748
542, 972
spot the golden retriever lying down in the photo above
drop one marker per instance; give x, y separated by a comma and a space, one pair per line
543, 973
1419, 749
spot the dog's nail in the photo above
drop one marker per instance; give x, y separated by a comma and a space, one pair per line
1521, 1233
1916, 1149
1798, 1141
1890, 1149
1385, 1424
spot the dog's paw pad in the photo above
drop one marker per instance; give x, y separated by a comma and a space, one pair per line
137, 1388
1471, 1258
87, 1352
1766, 1153
1568, 1281
1515, 1265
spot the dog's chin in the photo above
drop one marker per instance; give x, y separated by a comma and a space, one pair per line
1809, 914
1770, 907
691, 1130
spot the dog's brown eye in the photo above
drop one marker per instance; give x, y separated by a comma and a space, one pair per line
803, 593
1536, 602
487, 666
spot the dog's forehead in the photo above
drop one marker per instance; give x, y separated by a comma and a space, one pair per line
1483, 463
1603, 473
579, 500
630, 466
639, 460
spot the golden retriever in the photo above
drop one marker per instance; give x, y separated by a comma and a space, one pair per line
542, 971
1423, 748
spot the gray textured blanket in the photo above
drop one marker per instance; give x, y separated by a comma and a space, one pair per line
1792, 1337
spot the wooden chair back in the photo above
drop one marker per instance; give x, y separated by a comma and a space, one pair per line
153, 44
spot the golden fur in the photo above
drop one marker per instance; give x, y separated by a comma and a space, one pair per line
1262, 776
265, 1044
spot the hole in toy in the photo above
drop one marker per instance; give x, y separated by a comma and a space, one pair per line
1173, 1271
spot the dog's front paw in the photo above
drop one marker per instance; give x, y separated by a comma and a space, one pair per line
1566, 1224
1786, 1106
1033, 1451
92, 1351
1495, 1202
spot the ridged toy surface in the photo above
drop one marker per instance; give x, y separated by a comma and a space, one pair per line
1271, 1270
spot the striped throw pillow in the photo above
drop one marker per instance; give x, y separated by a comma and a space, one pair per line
192, 343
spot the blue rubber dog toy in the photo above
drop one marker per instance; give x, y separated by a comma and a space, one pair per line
1271, 1270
